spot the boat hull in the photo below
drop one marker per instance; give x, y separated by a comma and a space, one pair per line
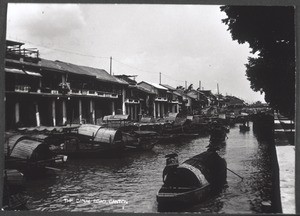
92, 150
244, 128
191, 196
140, 140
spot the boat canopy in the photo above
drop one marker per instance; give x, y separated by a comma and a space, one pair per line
145, 133
24, 147
211, 165
185, 175
99, 133
48, 128
198, 171
171, 117
180, 120
115, 117
147, 119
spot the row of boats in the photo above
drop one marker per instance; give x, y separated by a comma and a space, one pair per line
37, 150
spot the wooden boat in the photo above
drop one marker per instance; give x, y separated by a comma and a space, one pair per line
14, 179
140, 140
13, 201
217, 134
12, 191
30, 155
116, 121
245, 127
134, 135
88, 141
192, 181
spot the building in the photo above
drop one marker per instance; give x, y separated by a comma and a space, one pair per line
50, 93
200, 100
138, 101
174, 99
233, 102
160, 102
187, 100
211, 98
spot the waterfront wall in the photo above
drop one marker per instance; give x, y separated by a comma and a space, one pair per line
263, 128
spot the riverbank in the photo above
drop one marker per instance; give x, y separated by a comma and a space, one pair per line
286, 161
285, 151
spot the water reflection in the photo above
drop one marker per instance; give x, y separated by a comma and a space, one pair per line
89, 185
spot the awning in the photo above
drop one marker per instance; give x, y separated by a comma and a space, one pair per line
13, 70
18, 71
33, 73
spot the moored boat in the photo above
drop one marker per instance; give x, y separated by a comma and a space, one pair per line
134, 135
88, 141
192, 181
244, 128
15, 180
140, 140
30, 155
218, 133
13, 198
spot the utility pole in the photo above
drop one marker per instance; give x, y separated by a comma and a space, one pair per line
218, 88
200, 84
110, 65
159, 77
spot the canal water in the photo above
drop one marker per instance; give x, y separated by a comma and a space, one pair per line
130, 183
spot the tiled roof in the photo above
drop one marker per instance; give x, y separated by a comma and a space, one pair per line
168, 87
155, 85
51, 65
192, 95
100, 74
141, 88
84, 70
126, 79
177, 93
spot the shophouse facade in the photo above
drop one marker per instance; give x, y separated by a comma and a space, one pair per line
42, 92
174, 99
160, 102
138, 100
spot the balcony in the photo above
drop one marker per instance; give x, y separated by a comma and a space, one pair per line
114, 95
75, 92
161, 99
132, 101
101, 94
92, 93
173, 101
14, 51
54, 92
22, 88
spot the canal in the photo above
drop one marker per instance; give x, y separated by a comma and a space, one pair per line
130, 183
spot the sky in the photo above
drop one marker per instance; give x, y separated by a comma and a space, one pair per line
182, 42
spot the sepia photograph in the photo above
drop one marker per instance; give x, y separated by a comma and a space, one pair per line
149, 108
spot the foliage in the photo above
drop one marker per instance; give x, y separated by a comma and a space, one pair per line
269, 31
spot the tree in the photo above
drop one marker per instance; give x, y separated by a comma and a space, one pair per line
271, 35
